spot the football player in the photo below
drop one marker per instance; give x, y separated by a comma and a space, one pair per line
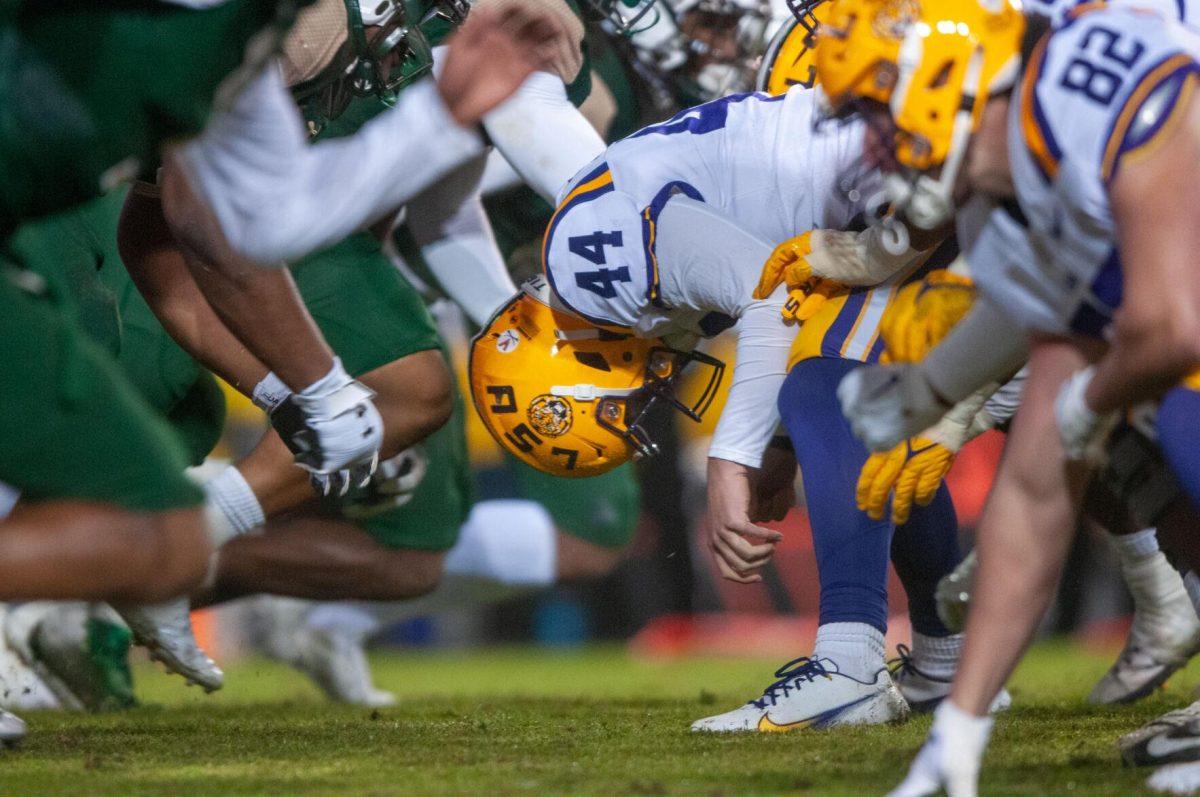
654, 246
1060, 138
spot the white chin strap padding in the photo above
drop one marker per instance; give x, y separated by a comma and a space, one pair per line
591, 392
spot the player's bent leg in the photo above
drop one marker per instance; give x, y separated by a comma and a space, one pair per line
846, 681
1166, 630
69, 550
1176, 422
1023, 539
596, 517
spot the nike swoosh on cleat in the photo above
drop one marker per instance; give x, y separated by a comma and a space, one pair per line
766, 725
1164, 746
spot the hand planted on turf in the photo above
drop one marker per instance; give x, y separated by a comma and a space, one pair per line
923, 313
490, 56
333, 431
738, 545
1083, 432
887, 403
913, 470
951, 757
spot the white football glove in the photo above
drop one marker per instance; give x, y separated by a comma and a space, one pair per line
392, 486
951, 757
333, 430
889, 403
1082, 431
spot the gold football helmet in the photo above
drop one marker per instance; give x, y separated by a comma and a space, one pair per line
930, 66
791, 57
571, 398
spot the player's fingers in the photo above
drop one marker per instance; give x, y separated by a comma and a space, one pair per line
930, 480
792, 305
772, 275
731, 566
753, 532
730, 574
745, 550
866, 479
902, 499
883, 483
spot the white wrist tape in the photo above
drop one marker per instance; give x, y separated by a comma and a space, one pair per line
270, 392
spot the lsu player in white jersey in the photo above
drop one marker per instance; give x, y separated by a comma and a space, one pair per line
658, 243
1077, 148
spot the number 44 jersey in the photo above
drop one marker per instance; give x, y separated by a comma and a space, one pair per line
1101, 89
760, 161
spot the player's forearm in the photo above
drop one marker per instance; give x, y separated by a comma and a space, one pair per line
751, 416
158, 269
545, 138
270, 192
263, 309
1144, 361
986, 346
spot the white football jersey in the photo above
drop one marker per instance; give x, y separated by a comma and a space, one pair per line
1059, 11
1099, 86
758, 159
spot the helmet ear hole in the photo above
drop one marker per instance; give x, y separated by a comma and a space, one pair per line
593, 359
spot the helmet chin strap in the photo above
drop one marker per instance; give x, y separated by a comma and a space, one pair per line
583, 392
928, 202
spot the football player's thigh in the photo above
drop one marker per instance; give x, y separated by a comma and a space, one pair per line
430, 521
73, 427
602, 510
368, 313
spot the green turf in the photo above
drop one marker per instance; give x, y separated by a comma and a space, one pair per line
534, 722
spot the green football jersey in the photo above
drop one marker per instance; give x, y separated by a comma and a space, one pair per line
89, 92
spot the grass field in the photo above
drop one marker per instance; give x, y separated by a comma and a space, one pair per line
523, 721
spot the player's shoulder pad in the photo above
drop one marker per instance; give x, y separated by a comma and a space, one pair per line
1103, 83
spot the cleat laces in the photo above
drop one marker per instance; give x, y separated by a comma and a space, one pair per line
791, 676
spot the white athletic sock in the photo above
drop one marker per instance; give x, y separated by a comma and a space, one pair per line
229, 492
504, 549
937, 656
856, 648
1139, 545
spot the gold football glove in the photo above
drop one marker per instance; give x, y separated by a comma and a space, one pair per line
923, 313
788, 264
913, 470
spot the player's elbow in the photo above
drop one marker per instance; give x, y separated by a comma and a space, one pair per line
1173, 337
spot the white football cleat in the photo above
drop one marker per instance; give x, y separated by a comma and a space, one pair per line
23, 688
336, 663
165, 630
924, 692
811, 693
1164, 636
1176, 779
1170, 739
12, 729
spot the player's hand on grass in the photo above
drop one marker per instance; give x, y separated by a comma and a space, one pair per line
774, 485
333, 431
951, 757
739, 546
913, 470
490, 56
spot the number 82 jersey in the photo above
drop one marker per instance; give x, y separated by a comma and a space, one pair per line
1099, 90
